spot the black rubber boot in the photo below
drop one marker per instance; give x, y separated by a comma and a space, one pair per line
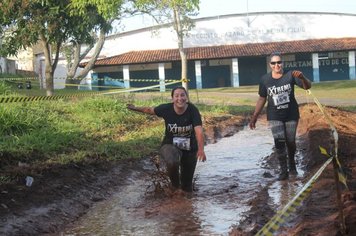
291, 166
173, 174
283, 175
291, 161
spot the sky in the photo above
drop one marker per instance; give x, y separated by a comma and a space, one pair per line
224, 7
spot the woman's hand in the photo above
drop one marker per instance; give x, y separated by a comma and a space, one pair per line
253, 121
130, 107
298, 74
306, 82
201, 155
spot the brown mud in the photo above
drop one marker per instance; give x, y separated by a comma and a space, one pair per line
61, 194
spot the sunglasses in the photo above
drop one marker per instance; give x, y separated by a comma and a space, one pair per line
276, 62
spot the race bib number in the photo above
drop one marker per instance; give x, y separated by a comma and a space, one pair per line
182, 143
279, 99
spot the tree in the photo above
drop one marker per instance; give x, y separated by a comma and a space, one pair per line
178, 13
110, 10
49, 22
74, 54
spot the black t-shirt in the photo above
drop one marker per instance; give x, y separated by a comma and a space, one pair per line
282, 104
180, 128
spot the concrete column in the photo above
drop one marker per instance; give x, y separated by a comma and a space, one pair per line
162, 77
88, 80
315, 60
235, 73
198, 75
126, 72
94, 76
352, 70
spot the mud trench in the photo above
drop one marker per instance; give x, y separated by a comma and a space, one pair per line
223, 185
236, 191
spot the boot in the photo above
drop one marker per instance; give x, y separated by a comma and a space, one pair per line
291, 161
291, 165
283, 165
173, 174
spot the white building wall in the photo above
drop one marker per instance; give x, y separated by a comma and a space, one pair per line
3, 67
24, 60
270, 27
139, 40
237, 29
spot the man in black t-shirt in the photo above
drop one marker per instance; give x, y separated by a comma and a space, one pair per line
277, 88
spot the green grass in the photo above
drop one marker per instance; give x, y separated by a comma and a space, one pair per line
100, 128
345, 89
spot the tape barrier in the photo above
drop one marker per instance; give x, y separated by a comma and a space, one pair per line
87, 85
281, 216
276, 221
185, 80
57, 97
94, 79
44, 98
342, 175
139, 89
19, 78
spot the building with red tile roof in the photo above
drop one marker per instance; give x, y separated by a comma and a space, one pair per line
233, 50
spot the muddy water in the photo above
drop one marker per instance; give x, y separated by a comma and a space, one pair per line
225, 184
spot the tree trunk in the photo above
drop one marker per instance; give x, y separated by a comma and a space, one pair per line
98, 47
74, 65
48, 67
180, 34
183, 57
50, 64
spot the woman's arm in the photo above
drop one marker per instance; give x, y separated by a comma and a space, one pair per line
147, 110
259, 106
200, 140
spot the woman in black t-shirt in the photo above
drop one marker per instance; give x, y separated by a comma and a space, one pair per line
183, 142
277, 88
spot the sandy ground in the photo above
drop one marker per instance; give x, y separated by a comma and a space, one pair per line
62, 194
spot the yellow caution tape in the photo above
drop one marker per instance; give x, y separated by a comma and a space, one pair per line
56, 97
276, 221
139, 89
43, 98
342, 176
20, 78
93, 79
185, 80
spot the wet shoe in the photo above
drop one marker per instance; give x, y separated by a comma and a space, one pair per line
284, 168
283, 176
293, 172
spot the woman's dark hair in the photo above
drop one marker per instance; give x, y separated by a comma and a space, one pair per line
273, 54
179, 87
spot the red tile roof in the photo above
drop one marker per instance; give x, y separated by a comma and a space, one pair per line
230, 51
